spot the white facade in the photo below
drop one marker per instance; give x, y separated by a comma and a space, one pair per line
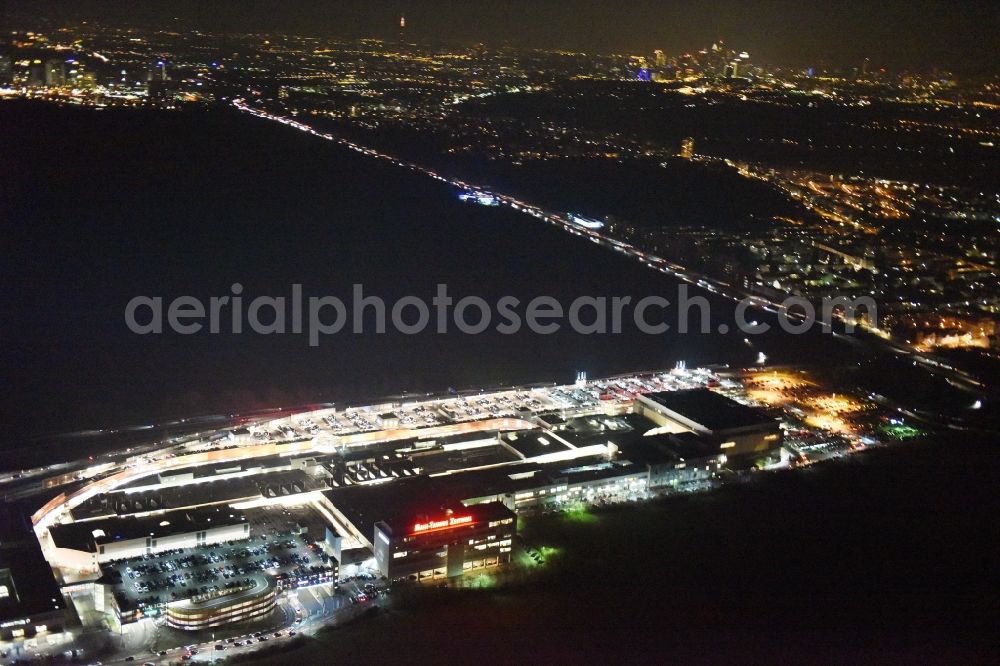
126, 548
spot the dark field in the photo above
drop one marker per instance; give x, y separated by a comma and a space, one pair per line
197, 201
93, 224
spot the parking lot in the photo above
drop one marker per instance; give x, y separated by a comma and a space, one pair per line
301, 610
275, 548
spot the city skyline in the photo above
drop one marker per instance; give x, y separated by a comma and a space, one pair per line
899, 35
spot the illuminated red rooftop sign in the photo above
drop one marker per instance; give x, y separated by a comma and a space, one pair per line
444, 524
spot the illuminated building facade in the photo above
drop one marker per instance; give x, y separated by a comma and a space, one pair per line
445, 544
55, 72
85, 545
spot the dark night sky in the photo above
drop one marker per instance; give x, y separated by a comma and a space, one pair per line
895, 33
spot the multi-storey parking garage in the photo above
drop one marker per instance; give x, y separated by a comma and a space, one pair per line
252, 598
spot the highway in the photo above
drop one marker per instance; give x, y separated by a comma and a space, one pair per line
928, 362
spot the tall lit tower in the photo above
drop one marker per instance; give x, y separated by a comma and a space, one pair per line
55, 72
402, 29
687, 148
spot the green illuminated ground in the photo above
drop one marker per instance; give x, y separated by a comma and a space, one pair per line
901, 431
581, 514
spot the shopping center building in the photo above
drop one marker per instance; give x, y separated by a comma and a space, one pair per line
444, 544
737, 430
419, 529
211, 531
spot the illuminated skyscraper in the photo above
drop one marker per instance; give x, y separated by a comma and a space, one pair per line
6, 70
687, 148
660, 58
402, 29
55, 72
638, 68
36, 74
718, 62
158, 72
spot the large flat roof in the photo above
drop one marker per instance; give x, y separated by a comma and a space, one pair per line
709, 409
668, 448
31, 586
400, 502
88, 535
191, 495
